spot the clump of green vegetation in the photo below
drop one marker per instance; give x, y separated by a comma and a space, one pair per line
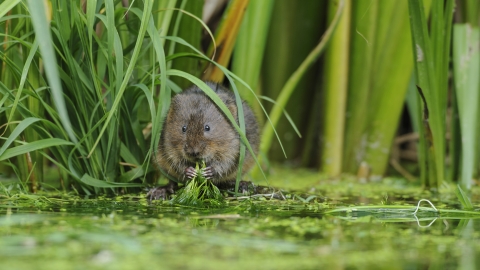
199, 192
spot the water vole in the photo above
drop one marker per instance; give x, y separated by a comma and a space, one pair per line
196, 130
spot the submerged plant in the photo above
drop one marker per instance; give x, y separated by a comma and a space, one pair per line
199, 191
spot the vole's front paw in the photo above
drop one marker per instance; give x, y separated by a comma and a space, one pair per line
162, 192
208, 172
158, 193
190, 172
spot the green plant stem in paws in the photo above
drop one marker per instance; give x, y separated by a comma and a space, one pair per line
199, 192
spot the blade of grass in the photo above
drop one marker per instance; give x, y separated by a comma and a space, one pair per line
25, 70
138, 46
466, 60
364, 26
33, 146
39, 20
7, 5
336, 66
164, 16
16, 132
289, 24
287, 90
429, 80
463, 198
290, 121
90, 181
190, 30
414, 108
391, 72
250, 46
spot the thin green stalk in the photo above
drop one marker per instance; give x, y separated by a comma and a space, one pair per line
250, 47
414, 107
191, 31
163, 16
390, 74
95, 83
129, 71
364, 24
472, 10
40, 24
290, 23
466, 60
289, 86
431, 64
336, 66
7, 5
455, 144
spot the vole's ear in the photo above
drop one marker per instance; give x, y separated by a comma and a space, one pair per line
232, 108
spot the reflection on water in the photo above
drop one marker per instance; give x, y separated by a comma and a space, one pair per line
123, 234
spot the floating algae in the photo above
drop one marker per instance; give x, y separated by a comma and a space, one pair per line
199, 192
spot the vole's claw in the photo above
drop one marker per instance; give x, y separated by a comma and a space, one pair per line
190, 172
208, 172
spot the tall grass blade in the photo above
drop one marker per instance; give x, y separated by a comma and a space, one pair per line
290, 23
33, 146
391, 72
138, 46
7, 5
90, 181
414, 107
466, 60
38, 13
464, 198
163, 18
362, 48
289, 87
429, 63
336, 67
188, 28
17, 131
250, 47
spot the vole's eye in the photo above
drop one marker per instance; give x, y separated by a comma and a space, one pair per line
184, 129
207, 128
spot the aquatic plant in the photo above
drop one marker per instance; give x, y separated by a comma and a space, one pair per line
199, 192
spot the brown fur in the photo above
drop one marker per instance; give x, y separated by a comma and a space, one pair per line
219, 147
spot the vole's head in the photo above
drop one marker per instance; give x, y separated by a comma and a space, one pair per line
197, 130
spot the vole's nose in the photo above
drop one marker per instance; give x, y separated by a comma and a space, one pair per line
193, 152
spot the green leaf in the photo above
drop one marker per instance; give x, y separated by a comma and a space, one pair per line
335, 91
466, 63
119, 92
88, 180
463, 198
289, 87
250, 46
33, 146
42, 30
16, 132
6, 6
431, 68
132, 174
26, 67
